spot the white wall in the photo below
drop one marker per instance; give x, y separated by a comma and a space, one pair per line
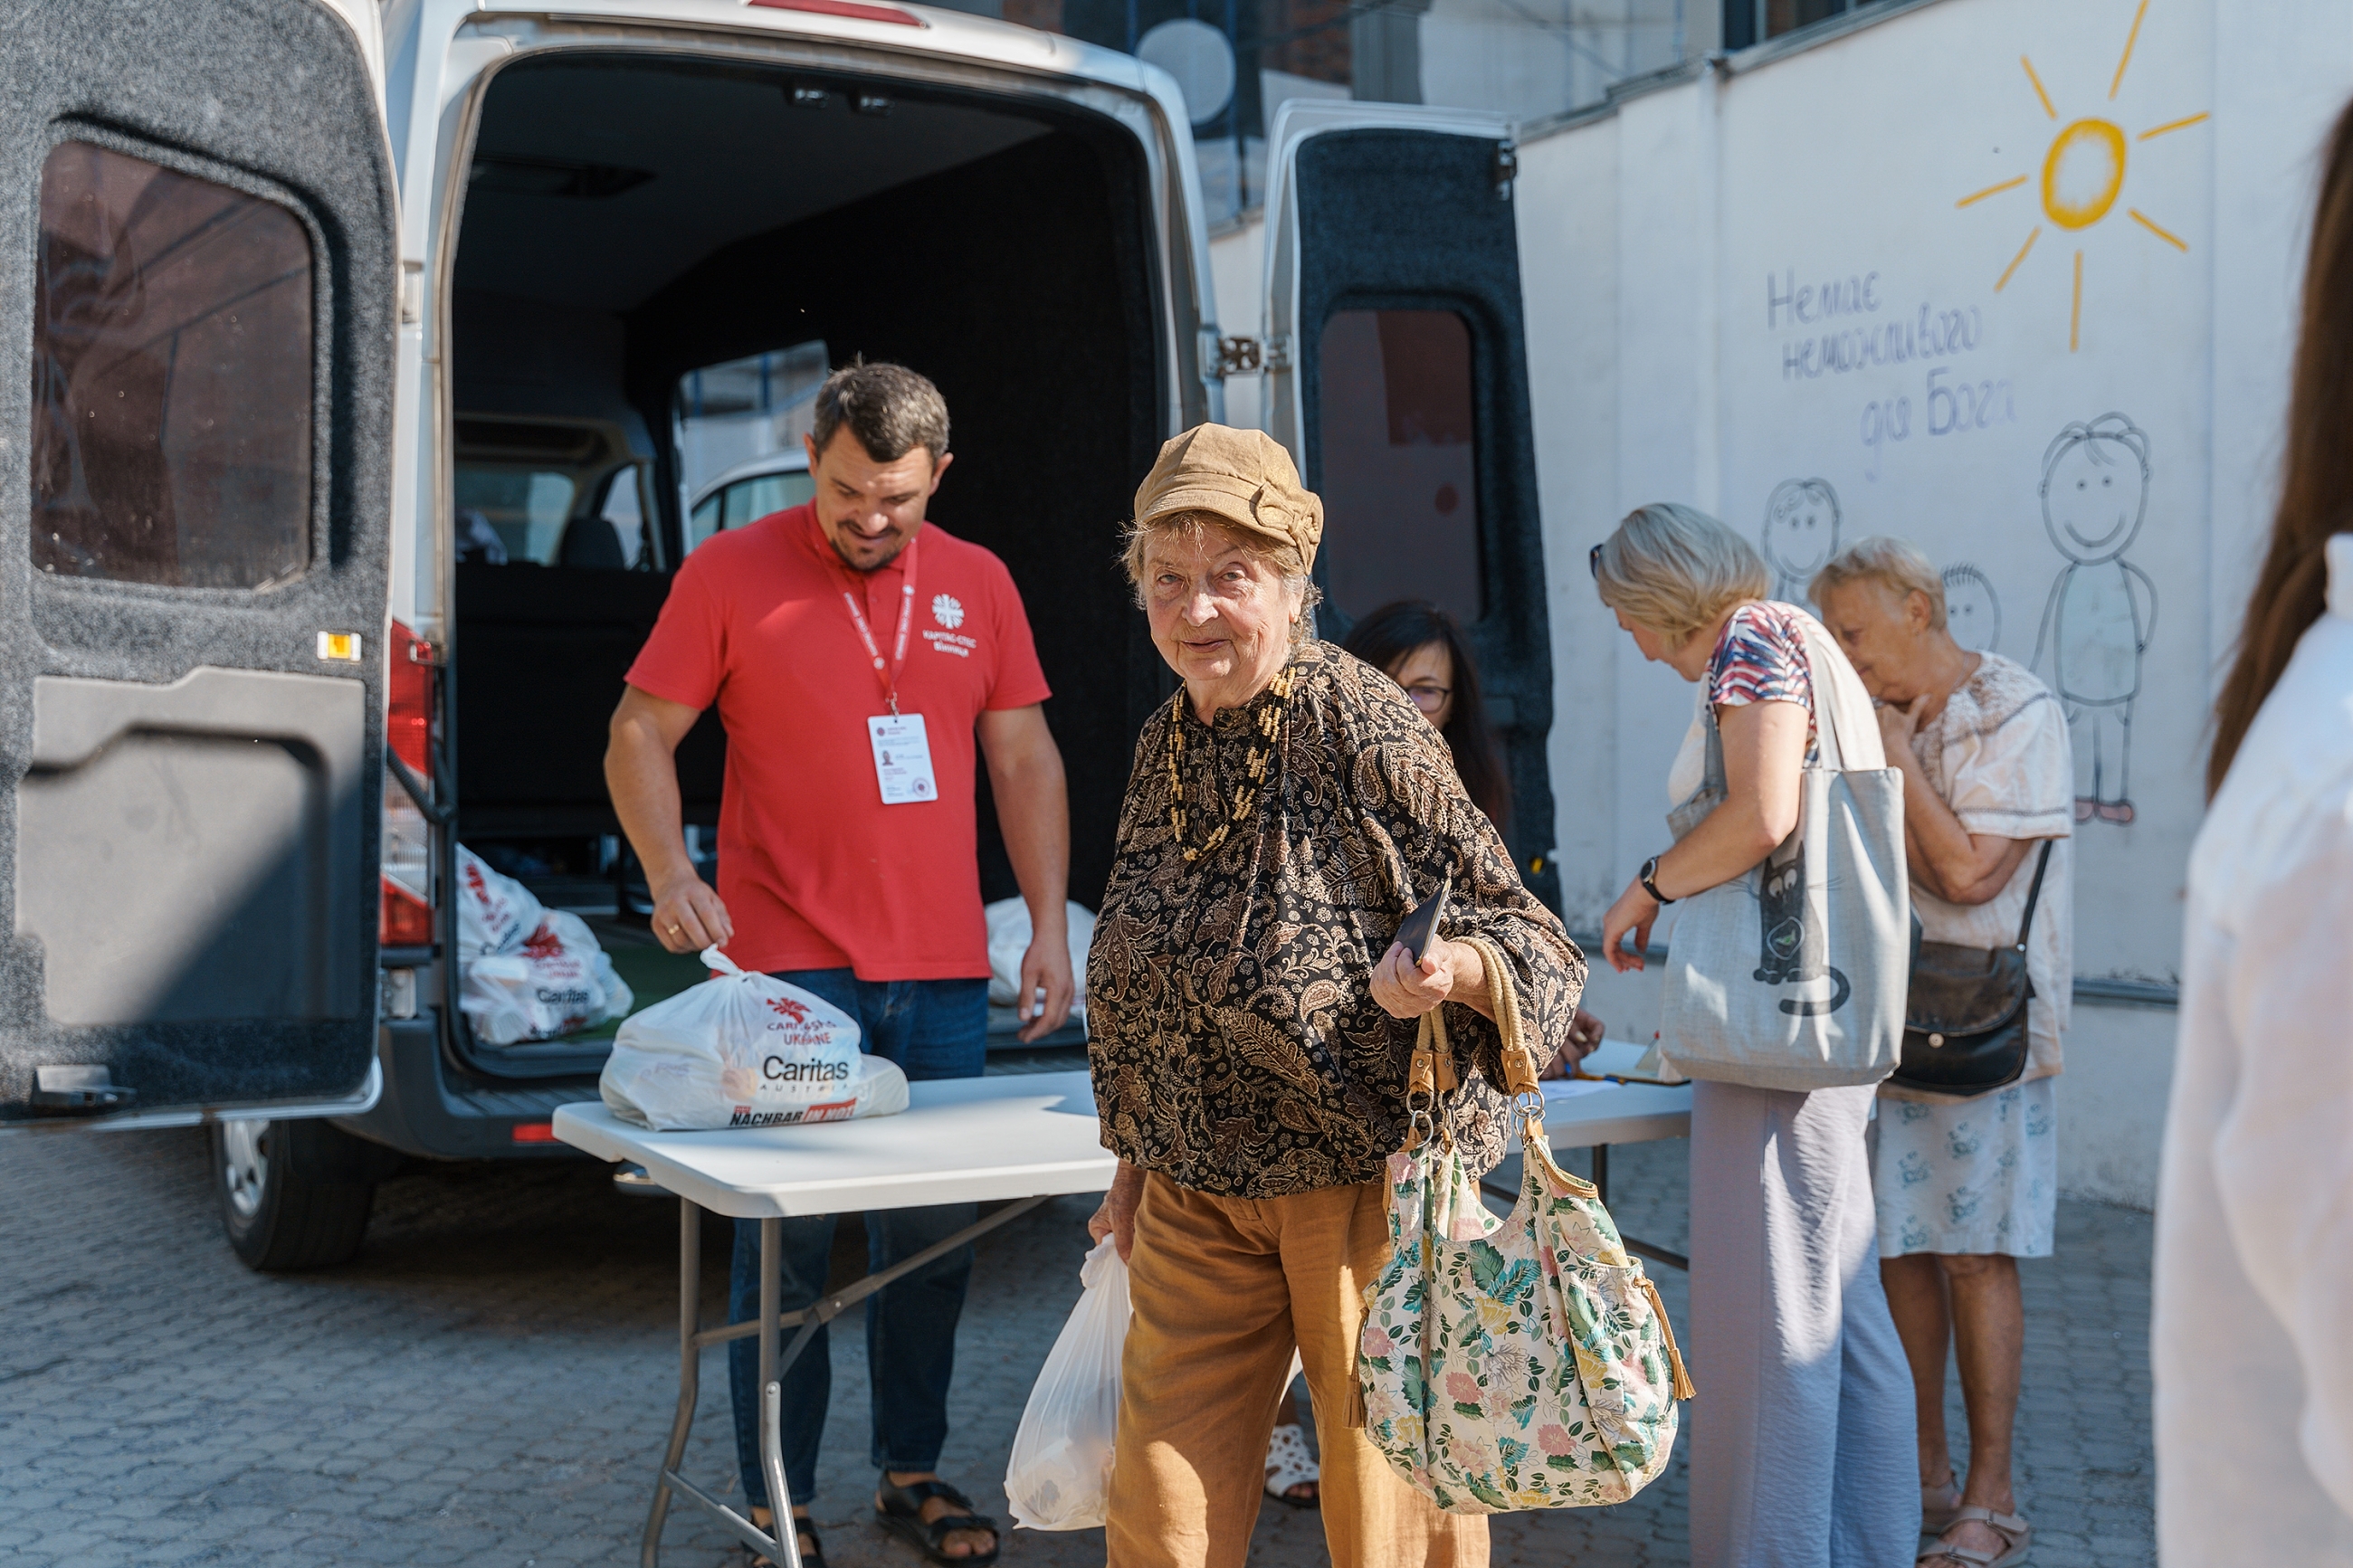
1532, 59
1663, 246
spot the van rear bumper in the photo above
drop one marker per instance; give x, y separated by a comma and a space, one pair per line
432, 1110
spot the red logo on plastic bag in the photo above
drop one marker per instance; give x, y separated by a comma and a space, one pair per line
543, 942
789, 1008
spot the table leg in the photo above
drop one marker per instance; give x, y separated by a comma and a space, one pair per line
690, 1368
772, 1451
779, 1542
1601, 1172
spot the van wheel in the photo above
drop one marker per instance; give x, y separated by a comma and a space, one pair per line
294, 1195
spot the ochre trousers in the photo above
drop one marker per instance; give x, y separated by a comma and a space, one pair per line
1222, 1288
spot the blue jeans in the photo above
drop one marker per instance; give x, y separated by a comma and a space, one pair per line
932, 1028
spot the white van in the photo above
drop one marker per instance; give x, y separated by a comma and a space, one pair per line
314, 305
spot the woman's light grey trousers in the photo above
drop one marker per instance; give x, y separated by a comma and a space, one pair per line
1803, 1451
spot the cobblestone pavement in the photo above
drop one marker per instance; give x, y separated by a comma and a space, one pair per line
491, 1381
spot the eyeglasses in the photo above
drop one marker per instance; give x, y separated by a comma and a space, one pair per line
1593, 561
1427, 696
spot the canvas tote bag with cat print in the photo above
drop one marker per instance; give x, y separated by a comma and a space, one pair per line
1792, 977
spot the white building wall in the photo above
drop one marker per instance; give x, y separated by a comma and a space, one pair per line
1847, 164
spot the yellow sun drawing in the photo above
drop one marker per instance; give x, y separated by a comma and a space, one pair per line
2082, 176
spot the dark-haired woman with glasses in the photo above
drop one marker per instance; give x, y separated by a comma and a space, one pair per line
1417, 645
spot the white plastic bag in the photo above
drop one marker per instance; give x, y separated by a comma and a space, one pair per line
526, 972
1060, 1477
495, 912
744, 1049
1010, 933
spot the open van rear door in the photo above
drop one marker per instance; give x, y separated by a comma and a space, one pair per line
196, 312
1395, 353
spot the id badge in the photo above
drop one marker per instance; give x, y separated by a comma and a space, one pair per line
902, 758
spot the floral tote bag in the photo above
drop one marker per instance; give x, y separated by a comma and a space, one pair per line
1520, 1363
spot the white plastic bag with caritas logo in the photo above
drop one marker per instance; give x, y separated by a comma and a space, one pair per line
495, 912
744, 1049
526, 971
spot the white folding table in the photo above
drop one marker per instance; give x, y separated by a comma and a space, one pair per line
1018, 1138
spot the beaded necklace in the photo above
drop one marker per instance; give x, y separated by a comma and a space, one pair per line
1261, 753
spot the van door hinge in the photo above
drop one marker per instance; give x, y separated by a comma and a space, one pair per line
1277, 354
1238, 357
412, 292
83, 1089
1507, 169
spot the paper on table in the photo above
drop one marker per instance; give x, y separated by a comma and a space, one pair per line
1624, 1059
1568, 1088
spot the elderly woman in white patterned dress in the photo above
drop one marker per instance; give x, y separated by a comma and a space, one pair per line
1966, 1186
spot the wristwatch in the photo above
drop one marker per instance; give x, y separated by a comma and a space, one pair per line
1646, 876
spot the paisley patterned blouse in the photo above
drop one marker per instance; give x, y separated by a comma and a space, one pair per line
1236, 1047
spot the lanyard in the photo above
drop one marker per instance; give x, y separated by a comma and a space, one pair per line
888, 674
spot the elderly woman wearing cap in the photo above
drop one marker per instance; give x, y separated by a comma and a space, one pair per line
1252, 1020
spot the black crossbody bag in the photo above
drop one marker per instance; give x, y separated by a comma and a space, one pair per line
1965, 1012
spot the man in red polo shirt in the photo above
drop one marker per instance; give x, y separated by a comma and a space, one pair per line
858, 654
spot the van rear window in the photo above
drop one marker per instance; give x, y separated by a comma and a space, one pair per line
172, 378
732, 416
747, 501
1400, 460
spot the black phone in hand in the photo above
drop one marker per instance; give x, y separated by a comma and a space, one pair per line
1420, 923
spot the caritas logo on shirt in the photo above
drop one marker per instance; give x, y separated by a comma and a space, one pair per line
948, 610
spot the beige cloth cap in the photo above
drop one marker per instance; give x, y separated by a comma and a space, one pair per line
1241, 477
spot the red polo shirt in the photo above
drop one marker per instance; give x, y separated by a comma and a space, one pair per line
816, 872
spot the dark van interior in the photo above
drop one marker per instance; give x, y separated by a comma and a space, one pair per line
632, 220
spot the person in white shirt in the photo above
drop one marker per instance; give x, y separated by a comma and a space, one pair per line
1965, 1185
2252, 1340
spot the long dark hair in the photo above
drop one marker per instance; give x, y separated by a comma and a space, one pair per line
1386, 638
2317, 480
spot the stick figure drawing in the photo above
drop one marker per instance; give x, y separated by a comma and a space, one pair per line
1801, 535
1972, 611
2102, 610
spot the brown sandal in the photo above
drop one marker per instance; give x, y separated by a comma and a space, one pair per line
2017, 1535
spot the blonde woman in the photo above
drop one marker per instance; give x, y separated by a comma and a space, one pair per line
1800, 1453
1965, 1185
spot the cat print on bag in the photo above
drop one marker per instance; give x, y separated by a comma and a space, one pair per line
1781, 917
1793, 951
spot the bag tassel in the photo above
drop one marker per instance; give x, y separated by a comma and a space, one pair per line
1683, 1387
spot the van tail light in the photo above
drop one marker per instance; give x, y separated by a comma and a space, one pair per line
405, 918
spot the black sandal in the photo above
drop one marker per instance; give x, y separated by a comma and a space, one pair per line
901, 1510
812, 1555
